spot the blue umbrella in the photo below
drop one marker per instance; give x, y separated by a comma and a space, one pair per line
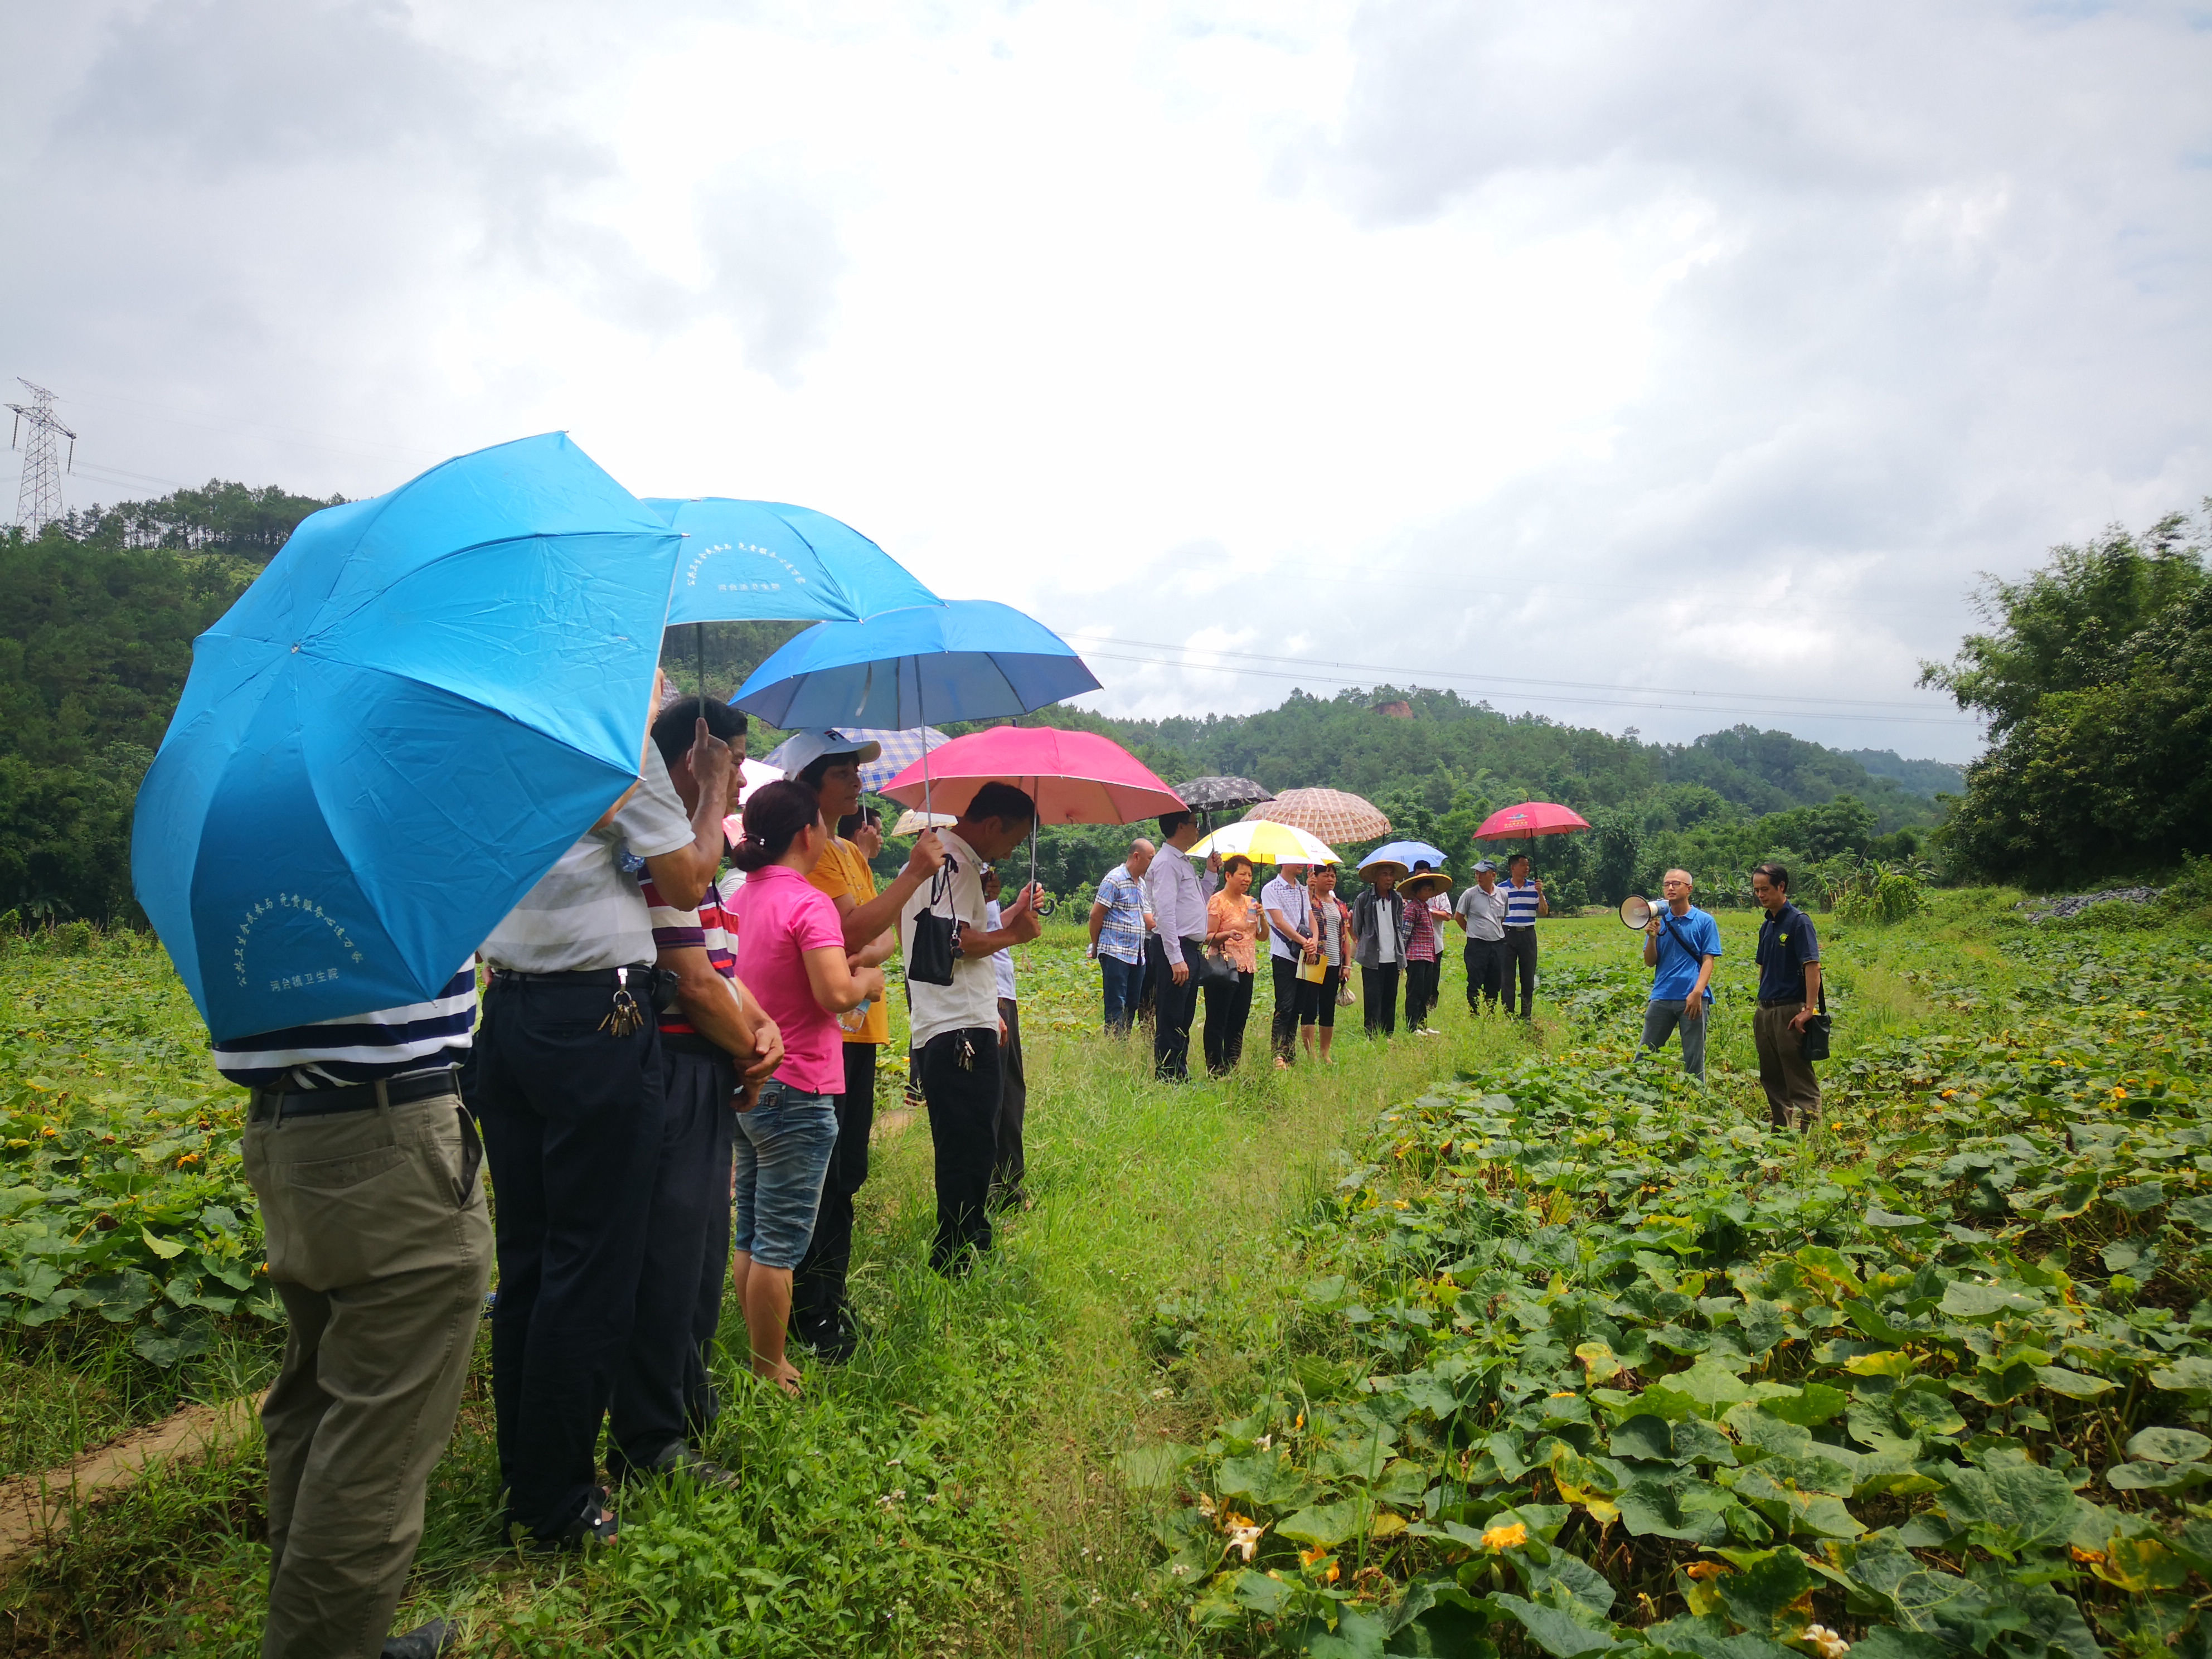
900, 751
411, 713
767, 561
1408, 852
965, 660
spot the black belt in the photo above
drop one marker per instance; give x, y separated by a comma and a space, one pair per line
1781, 1002
355, 1097
579, 976
691, 1042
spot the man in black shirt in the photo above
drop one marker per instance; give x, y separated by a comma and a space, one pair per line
1788, 997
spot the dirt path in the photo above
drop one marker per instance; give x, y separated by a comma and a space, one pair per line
34, 1508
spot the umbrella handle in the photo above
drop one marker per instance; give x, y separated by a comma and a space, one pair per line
1045, 906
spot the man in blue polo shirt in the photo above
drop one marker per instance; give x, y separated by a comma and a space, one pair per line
1682, 947
1789, 996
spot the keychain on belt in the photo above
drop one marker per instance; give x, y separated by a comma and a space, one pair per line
625, 1019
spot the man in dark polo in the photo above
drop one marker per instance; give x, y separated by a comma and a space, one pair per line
569, 1090
1788, 997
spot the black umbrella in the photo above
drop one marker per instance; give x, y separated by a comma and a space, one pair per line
1219, 794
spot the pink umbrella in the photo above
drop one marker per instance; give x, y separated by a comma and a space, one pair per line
1075, 777
1530, 818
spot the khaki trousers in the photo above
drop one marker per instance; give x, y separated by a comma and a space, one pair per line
1793, 1092
380, 1244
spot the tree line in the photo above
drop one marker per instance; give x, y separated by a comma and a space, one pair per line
2095, 672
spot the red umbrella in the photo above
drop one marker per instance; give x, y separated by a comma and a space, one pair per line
1075, 777
1530, 818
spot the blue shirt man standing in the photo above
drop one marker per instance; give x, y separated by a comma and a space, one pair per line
1681, 946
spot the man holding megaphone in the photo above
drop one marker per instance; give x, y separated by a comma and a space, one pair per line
1681, 946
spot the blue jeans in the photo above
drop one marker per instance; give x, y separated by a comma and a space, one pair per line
783, 1152
1121, 981
1661, 1019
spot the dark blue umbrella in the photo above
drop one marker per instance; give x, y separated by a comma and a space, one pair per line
768, 561
421, 702
965, 660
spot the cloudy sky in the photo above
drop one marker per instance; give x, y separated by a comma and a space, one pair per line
1651, 365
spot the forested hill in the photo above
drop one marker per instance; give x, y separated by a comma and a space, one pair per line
1439, 765
97, 618
1922, 777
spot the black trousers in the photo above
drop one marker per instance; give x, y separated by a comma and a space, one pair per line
1228, 1007
1420, 993
1284, 1033
1174, 1007
654, 1390
572, 1124
1521, 954
963, 1111
1008, 1165
1485, 970
817, 1285
1378, 988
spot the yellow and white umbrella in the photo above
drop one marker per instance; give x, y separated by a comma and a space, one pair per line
1265, 842
913, 821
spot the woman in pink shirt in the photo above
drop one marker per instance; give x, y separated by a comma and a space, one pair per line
791, 954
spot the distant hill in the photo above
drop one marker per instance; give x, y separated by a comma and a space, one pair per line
1715, 805
97, 617
1922, 777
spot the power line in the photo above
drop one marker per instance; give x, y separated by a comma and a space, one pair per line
38, 500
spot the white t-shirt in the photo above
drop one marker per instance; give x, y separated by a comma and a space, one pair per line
1289, 897
1002, 961
585, 912
971, 1003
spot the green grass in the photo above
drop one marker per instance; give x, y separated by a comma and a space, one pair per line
961, 1487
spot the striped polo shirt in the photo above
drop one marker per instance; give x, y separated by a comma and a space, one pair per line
1521, 902
711, 928
378, 1046
586, 911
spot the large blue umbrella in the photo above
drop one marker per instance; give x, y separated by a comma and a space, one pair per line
965, 660
411, 715
767, 561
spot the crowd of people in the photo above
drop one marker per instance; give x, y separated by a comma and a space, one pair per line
670, 1082
670, 1078
1164, 935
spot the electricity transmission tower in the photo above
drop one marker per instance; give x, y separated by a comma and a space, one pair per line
39, 502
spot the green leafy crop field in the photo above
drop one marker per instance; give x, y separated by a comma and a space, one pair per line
1505, 1341
1587, 1359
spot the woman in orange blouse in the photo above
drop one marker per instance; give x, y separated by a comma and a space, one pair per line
1232, 929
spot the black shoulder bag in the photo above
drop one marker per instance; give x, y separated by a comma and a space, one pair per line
1814, 1037
929, 952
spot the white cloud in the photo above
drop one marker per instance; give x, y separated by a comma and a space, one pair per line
1434, 335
